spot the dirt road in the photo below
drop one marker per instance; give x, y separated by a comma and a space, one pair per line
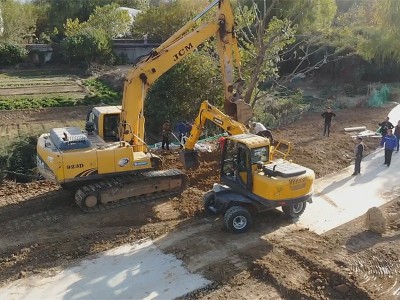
42, 229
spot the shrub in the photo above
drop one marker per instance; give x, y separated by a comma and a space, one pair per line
21, 161
277, 110
11, 54
87, 46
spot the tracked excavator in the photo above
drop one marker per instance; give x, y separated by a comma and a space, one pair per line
252, 179
109, 164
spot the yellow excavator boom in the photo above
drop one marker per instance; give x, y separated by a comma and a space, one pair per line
172, 51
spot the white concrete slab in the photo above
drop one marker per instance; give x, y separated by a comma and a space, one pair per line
340, 197
138, 271
394, 115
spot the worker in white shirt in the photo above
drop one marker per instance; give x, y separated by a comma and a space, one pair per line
256, 127
259, 129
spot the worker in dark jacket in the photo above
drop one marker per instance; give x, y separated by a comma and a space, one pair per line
397, 134
166, 131
390, 142
327, 115
385, 125
358, 152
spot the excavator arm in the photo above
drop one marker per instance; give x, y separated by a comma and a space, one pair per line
209, 112
171, 52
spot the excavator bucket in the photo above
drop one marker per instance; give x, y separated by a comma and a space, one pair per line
244, 111
189, 159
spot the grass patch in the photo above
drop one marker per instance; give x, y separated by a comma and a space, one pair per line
38, 73
71, 95
100, 94
30, 102
33, 83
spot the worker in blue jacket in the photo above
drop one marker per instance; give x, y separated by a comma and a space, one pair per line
390, 142
182, 131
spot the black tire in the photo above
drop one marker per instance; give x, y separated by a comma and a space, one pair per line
237, 219
295, 210
209, 200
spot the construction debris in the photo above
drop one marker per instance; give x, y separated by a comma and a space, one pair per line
367, 133
355, 128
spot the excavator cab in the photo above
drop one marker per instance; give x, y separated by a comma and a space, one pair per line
104, 121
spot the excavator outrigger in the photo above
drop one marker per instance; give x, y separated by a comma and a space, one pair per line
108, 164
252, 180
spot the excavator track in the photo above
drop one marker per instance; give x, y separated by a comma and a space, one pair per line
149, 182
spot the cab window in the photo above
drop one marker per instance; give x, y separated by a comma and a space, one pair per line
111, 127
230, 158
259, 154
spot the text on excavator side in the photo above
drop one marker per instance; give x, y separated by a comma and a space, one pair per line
183, 51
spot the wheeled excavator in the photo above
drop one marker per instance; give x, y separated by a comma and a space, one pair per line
109, 164
252, 179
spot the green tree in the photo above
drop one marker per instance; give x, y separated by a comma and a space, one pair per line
111, 20
272, 32
161, 21
19, 21
108, 18
91, 40
372, 29
54, 13
88, 45
179, 92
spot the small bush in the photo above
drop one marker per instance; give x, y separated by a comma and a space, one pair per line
11, 54
21, 159
275, 111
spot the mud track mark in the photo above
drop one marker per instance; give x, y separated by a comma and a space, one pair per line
297, 275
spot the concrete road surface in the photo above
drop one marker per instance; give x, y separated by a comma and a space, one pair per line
340, 197
138, 271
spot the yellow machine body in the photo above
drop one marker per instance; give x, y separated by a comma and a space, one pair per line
68, 155
251, 152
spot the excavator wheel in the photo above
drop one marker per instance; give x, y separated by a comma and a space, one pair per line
295, 210
237, 219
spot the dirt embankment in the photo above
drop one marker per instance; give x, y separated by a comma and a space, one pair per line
42, 229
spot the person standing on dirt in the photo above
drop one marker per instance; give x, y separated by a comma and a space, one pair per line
327, 115
166, 131
358, 152
397, 134
390, 142
385, 125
